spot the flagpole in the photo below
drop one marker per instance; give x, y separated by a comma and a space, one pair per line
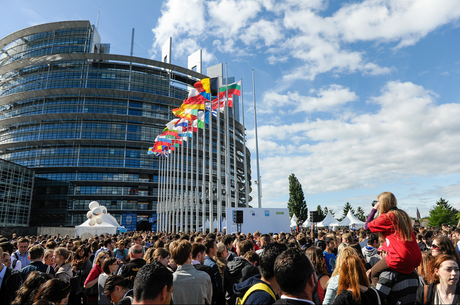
235, 172
160, 164
191, 182
170, 193
219, 171
181, 197
259, 184
203, 174
211, 172
197, 205
227, 145
246, 184
167, 194
186, 184
175, 189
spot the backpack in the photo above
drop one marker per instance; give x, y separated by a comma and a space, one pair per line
15, 255
258, 286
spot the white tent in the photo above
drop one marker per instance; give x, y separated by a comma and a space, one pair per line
108, 226
329, 221
351, 220
293, 221
306, 223
214, 223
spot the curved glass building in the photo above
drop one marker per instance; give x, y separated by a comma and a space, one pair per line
84, 119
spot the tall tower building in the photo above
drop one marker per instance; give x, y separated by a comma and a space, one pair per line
83, 120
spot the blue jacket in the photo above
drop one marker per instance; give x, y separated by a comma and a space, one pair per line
36, 266
258, 296
215, 269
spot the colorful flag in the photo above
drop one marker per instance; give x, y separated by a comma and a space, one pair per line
208, 85
234, 88
194, 101
221, 102
183, 113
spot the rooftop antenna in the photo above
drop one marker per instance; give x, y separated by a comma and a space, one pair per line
98, 13
132, 42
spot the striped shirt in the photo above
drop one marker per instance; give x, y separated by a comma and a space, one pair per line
394, 286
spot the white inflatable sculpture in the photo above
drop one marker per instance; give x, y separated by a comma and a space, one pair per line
95, 213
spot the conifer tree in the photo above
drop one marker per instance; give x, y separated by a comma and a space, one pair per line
296, 203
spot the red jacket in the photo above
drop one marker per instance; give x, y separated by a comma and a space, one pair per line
403, 256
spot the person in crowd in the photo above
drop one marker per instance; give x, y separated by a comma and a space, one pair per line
191, 286
153, 285
22, 254
442, 245
397, 288
36, 254
228, 242
198, 258
109, 246
63, 259
8, 247
135, 263
6, 260
322, 273
121, 252
10, 282
90, 284
354, 287
329, 256
444, 288
370, 251
70, 246
109, 267
30, 287
238, 270
424, 270
427, 239
403, 252
267, 290
296, 277
456, 237
211, 251
55, 291
320, 242
333, 283
81, 268
221, 258
48, 259
119, 290
252, 257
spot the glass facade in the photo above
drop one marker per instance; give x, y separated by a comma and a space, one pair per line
16, 184
84, 120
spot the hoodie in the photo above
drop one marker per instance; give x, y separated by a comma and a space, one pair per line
236, 272
371, 256
257, 297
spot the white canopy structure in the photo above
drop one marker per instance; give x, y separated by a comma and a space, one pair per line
329, 221
293, 221
108, 226
306, 223
351, 220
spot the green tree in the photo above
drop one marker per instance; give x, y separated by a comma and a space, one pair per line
347, 207
360, 214
442, 212
327, 211
296, 203
321, 214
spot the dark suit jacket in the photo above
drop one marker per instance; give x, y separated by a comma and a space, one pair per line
208, 270
10, 285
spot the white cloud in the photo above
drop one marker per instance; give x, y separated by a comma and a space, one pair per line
327, 98
410, 136
266, 30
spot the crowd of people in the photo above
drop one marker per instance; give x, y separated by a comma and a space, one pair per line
387, 262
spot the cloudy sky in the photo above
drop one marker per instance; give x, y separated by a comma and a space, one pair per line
354, 97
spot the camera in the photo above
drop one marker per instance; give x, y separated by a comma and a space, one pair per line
374, 203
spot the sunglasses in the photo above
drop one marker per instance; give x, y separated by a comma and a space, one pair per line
436, 247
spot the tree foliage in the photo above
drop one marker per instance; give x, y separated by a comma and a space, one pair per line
347, 207
296, 203
360, 214
327, 211
442, 212
321, 214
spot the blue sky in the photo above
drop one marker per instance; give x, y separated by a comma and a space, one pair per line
354, 97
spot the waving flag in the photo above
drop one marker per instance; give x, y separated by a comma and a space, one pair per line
233, 88
194, 101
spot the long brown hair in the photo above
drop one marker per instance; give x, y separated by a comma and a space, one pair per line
437, 264
317, 259
352, 274
401, 221
446, 246
425, 269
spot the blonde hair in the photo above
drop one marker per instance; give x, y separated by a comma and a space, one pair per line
346, 251
401, 221
61, 251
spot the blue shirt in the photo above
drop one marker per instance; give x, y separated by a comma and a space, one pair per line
24, 259
330, 261
2, 274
